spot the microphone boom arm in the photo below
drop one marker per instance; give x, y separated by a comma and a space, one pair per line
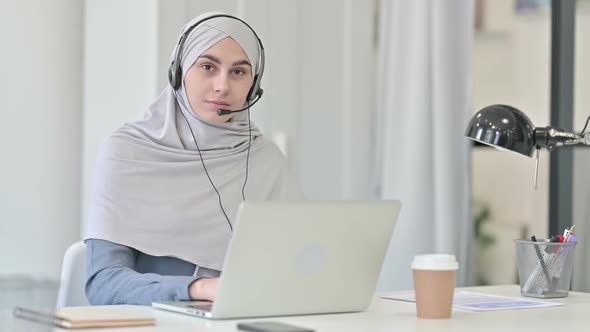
222, 111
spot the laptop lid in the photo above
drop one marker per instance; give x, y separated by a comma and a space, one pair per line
292, 258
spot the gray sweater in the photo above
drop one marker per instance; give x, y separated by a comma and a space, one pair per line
116, 274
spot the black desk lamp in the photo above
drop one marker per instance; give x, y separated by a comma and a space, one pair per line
507, 128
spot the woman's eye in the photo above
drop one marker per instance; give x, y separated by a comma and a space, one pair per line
207, 67
239, 72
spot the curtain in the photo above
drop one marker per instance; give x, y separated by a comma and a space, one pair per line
423, 107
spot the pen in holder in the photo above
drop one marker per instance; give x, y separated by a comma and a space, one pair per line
544, 268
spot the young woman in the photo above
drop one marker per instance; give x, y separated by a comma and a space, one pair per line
167, 187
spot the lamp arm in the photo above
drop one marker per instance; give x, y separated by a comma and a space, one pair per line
550, 138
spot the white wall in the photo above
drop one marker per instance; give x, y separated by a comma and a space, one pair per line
581, 215
337, 98
41, 93
582, 66
120, 72
581, 195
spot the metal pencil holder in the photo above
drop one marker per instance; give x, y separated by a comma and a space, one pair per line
544, 268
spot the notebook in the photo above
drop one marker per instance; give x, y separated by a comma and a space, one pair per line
84, 317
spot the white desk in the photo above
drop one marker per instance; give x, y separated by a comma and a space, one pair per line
392, 316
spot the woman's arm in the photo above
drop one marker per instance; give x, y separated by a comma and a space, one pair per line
111, 278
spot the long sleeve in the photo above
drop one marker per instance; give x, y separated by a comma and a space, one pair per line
111, 278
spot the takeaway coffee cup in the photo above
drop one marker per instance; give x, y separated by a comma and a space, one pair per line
434, 283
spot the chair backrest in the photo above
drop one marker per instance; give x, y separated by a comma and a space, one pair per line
73, 277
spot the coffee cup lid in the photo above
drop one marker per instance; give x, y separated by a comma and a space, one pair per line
435, 262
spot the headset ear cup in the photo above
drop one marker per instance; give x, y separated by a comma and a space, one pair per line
254, 90
171, 77
174, 76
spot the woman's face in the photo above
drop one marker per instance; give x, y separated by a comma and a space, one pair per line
220, 78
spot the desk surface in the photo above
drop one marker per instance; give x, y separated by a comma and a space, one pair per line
386, 315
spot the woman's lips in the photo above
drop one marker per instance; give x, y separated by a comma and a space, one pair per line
217, 104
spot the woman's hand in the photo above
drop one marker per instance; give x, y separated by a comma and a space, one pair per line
204, 289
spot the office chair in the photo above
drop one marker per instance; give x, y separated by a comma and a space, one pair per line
73, 277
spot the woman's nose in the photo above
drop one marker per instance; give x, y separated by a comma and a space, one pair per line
221, 84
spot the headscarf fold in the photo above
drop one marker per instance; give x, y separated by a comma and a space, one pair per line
151, 192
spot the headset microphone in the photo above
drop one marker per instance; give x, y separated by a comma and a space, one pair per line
222, 111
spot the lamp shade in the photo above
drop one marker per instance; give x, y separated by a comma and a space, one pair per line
503, 127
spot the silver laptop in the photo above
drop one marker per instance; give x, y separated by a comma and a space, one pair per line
288, 258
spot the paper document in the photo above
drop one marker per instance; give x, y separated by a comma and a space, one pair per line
480, 302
